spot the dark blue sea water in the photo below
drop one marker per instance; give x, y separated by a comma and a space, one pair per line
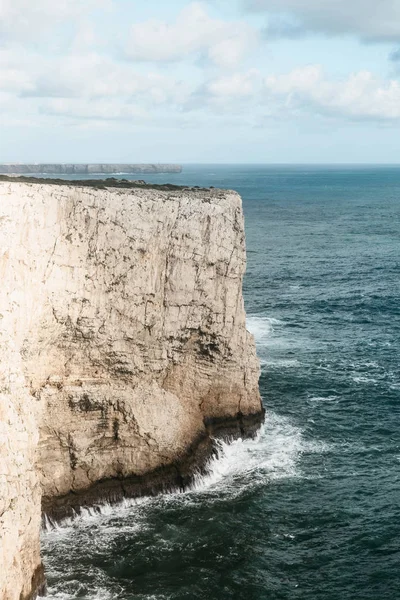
310, 510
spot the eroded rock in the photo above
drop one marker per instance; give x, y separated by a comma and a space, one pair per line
124, 347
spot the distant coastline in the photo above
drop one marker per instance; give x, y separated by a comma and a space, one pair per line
84, 169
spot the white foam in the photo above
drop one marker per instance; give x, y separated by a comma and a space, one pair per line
286, 363
323, 398
271, 335
99, 512
273, 454
99, 594
242, 465
364, 380
261, 327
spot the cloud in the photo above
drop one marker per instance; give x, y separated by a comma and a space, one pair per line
82, 80
103, 110
224, 95
370, 20
15, 75
95, 76
194, 32
88, 75
303, 92
236, 85
27, 19
361, 96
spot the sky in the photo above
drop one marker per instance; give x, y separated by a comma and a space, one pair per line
213, 81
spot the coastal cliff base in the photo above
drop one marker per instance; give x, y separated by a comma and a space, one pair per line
179, 475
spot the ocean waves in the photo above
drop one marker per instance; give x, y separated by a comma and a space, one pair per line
309, 508
240, 469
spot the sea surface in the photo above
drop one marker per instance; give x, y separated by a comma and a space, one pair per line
310, 510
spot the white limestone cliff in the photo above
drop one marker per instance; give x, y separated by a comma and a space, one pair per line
123, 348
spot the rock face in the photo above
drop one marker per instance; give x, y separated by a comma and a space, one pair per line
82, 169
21, 571
123, 348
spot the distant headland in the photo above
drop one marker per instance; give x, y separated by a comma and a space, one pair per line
82, 169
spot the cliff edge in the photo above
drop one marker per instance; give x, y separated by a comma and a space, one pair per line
123, 349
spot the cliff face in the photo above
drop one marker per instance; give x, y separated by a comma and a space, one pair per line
123, 346
20, 563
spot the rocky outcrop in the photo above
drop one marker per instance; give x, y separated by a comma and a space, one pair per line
123, 349
85, 169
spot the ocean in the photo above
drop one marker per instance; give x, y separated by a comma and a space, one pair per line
310, 509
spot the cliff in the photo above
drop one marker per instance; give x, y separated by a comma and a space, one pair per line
123, 349
85, 169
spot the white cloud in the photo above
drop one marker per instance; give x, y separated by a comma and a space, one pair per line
236, 85
107, 110
359, 96
230, 94
84, 82
91, 76
29, 18
193, 33
371, 20
300, 93
16, 71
